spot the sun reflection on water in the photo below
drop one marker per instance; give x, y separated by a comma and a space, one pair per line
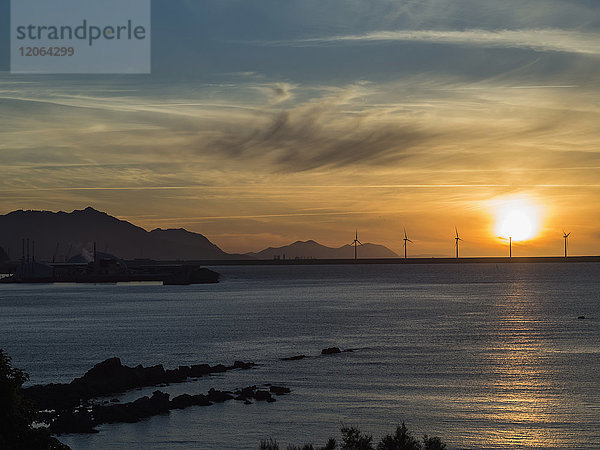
521, 391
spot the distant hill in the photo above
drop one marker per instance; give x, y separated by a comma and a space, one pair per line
312, 249
75, 233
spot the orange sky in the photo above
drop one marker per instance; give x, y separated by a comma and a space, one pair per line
259, 137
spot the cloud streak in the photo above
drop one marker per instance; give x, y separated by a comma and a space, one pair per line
541, 40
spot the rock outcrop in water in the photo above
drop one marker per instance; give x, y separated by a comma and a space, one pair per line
324, 352
70, 408
112, 377
330, 351
84, 420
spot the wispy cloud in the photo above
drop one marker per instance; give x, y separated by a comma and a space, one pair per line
542, 40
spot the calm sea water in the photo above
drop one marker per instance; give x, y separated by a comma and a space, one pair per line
490, 356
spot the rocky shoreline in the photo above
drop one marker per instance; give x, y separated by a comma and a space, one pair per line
69, 408
85, 419
112, 377
73, 407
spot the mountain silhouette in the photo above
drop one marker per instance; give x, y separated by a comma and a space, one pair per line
60, 236
312, 249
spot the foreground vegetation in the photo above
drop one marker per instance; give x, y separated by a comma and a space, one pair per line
354, 439
17, 414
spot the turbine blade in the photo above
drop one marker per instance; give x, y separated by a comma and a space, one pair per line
410, 241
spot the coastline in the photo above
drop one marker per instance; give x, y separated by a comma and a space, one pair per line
474, 260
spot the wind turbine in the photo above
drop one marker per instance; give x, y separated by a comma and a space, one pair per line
356, 243
457, 239
406, 239
566, 238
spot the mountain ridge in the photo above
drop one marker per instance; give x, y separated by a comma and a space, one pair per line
312, 249
61, 235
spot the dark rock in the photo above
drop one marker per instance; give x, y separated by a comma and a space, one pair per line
115, 400
182, 401
218, 368
218, 396
111, 377
261, 395
186, 400
201, 400
160, 401
243, 365
147, 407
294, 358
175, 376
245, 393
81, 421
279, 390
199, 370
153, 375
135, 411
581, 317
185, 371
330, 351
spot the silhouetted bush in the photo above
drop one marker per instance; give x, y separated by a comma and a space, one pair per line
331, 444
400, 440
17, 414
434, 443
354, 439
269, 444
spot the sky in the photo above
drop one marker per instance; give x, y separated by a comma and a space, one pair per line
270, 121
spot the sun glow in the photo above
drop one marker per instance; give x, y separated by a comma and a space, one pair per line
517, 219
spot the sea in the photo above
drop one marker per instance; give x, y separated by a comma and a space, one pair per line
481, 355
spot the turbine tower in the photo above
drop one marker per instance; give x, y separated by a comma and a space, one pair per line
566, 238
356, 243
510, 247
406, 240
457, 239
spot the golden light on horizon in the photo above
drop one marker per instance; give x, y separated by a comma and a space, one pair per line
517, 218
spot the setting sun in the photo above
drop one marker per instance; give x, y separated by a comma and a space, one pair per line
517, 219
